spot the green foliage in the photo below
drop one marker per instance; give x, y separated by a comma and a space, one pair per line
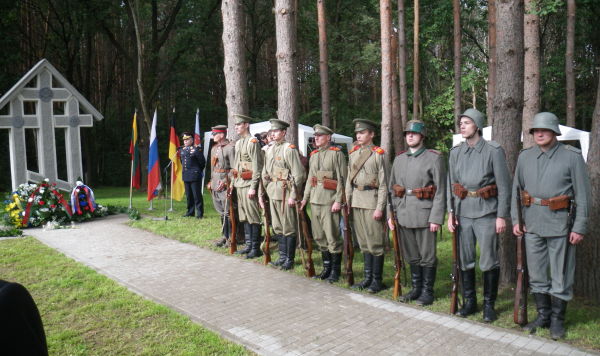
10, 231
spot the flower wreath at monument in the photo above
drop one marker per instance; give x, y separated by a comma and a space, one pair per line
84, 204
33, 205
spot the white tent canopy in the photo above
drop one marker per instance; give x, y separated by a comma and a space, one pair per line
304, 133
567, 134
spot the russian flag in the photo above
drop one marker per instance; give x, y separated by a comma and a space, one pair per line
197, 140
153, 165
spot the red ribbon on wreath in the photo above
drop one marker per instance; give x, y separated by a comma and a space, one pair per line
60, 197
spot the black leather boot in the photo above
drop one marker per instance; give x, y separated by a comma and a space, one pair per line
326, 266
365, 283
247, 240
468, 282
282, 251
490, 293
377, 283
254, 242
426, 297
336, 267
544, 309
291, 252
557, 319
416, 277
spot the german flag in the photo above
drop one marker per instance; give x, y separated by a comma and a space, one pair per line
134, 151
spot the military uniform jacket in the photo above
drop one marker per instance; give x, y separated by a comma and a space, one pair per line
477, 167
282, 163
248, 156
221, 161
560, 171
193, 163
327, 162
417, 170
373, 174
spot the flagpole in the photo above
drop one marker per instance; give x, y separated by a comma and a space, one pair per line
171, 208
131, 185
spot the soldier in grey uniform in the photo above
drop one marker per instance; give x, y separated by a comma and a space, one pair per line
247, 166
366, 191
418, 186
221, 161
553, 181
481, 184
324, 189
282, 169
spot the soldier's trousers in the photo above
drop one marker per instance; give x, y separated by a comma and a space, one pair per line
248, 209
195, 201
369, 232
419, 246
483, 232
219, 202
548, 272
283, 218
326, 228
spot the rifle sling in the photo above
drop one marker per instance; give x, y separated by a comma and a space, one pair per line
362, 159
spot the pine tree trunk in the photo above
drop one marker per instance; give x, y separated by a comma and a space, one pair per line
416, 94
323, 64
385, 13
531, 91
234, 61
402, 65
491, 85
287, 85
587, 280
569, 60
509, 101
397, 136
457, 63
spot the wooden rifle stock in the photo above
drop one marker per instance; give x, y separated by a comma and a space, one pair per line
306, 232
348, 243
397, 253
455, 254
232, 217
267, 225
520, 305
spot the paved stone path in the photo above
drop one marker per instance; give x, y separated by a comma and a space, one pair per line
277, 313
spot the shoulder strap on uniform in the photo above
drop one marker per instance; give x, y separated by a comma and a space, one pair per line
360, 162
571, 148
494, 144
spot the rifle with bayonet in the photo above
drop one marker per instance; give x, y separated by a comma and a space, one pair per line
348, 243
305, 230
456, 283
232, 216
520, 305
397, 253
267, 223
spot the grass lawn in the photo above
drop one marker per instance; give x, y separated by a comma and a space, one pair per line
85, 313
583, 327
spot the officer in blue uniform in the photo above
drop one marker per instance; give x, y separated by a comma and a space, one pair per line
193, 163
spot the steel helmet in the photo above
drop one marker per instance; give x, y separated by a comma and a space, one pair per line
477, 117
417, 126
545, 120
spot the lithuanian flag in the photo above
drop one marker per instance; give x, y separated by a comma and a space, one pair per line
134, 151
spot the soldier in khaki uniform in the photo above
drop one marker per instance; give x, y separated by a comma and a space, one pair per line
324, 189
282, 169
366, 188
481, 184
221, 161
418, 186
247, 166
553, 181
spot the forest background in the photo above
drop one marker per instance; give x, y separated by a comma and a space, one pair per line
178, 52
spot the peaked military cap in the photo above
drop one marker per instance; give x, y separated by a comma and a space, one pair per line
364, 124
219, 129
186, 135
240, 119
277, 124
322, 130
